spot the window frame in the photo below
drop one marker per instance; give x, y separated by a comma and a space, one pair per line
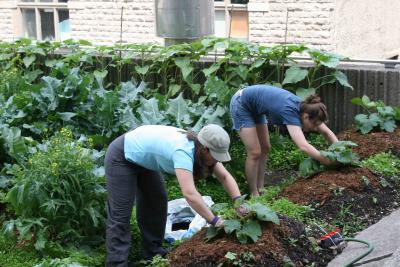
228, 7
38, 6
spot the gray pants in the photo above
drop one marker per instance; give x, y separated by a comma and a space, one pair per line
127, 182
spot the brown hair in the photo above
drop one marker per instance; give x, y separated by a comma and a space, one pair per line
200, 170
315, 109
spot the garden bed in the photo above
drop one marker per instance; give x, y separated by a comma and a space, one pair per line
351, 198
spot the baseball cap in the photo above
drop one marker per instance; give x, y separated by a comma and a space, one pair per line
217, 140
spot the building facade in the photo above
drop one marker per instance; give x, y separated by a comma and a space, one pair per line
356, 28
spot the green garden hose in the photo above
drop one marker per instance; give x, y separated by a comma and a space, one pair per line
370, 249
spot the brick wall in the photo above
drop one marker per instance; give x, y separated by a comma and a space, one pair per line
6, 20
310, 22
99, 21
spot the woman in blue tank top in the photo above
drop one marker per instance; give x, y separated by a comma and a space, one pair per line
252, 107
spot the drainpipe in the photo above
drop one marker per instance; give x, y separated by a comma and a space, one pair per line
184, 21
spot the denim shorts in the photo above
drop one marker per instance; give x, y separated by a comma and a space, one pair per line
241, 116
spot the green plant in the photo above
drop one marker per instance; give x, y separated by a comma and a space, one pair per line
340, 152
156, 261
348, 222
284, 154
245, 259
384, 163
243, 227
378, 115
288, 208
295, 74
57, 195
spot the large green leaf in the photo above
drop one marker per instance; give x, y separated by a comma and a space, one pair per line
149, 112
388, 125
264, 213
294, 74
342, 78
173, 89
28, 60
211, 115
14, 142
129, 92
128, 119
213, 68
232, 225
366, 123
303, 93
66, 116
250, 229
329, 60
184, 65
49, 91
309, 166
340, 144
178, 108
142, 69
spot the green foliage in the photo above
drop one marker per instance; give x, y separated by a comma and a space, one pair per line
57, 195
384, 163
12, 256
378, 115
295, 75
339, 152
284, 154
41, 92
245, 228
244, 259
75, 259
290, 209
156, 261
310, 166
164, 84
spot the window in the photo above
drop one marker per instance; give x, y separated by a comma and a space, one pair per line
45, 19
231, 19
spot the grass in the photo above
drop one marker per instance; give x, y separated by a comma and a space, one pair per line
11, 256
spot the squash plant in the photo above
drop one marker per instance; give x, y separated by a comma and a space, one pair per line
340, 152
246, 228
379, 115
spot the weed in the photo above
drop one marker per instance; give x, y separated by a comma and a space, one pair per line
386, 164
245, 259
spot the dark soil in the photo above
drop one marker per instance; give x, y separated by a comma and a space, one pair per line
373, 143
325, 185
282, 243
349, 197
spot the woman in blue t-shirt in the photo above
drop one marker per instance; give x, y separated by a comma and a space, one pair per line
252, 106
134, 164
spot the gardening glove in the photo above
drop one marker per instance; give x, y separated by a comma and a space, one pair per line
240, 207
242, 210
217, 222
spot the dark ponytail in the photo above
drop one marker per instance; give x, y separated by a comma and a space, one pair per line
200, 170
315, 109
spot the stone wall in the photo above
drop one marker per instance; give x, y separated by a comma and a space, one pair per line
7, 9
309, 22
100, 21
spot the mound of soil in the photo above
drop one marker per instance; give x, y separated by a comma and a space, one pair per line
321, 187
354, 196
278, 244
373, 143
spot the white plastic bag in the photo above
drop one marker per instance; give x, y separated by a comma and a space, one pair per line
179, 211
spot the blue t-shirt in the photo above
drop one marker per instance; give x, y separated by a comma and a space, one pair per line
279, 105
159, 148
